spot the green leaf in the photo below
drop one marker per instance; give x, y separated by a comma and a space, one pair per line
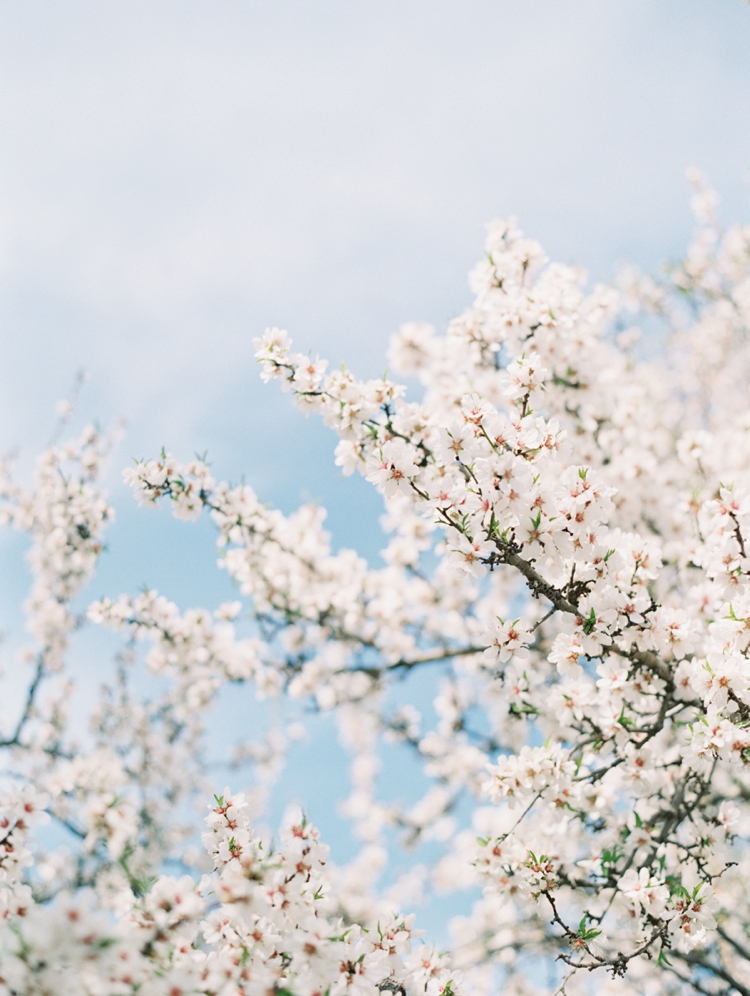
589, 622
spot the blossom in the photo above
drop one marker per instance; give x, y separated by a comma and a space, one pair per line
393, 468
507, 639
647, 894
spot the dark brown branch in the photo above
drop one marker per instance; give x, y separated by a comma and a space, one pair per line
28, 706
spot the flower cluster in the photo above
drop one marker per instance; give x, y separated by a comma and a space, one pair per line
265, 921
567, 569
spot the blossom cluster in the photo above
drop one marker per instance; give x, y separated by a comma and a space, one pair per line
566, 565
264, 921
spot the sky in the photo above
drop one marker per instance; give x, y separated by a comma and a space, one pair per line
174, 177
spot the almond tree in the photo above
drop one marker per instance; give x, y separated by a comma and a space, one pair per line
567, 556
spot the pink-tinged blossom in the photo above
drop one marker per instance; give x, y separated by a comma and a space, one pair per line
507, 639
393, 467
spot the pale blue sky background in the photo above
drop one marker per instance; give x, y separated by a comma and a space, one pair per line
175, 176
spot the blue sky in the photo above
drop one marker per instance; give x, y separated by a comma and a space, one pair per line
176, 176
